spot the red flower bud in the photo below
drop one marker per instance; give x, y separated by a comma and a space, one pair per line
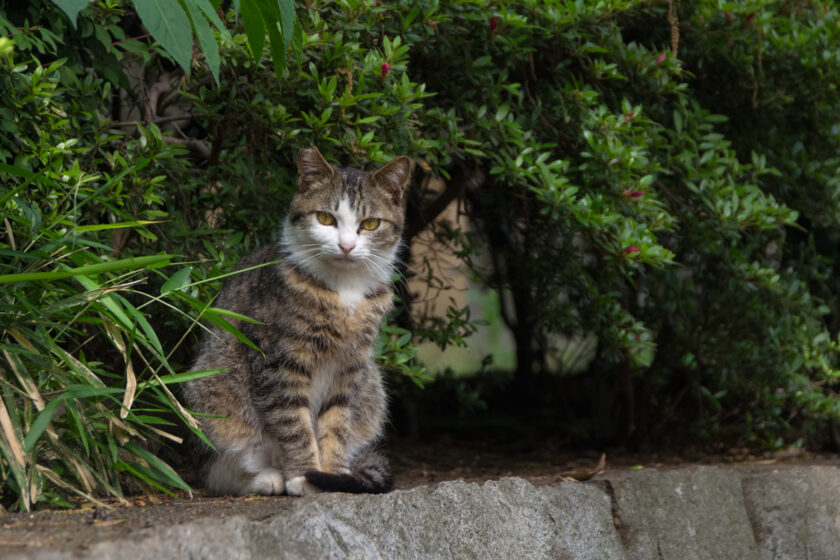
494, 22
750, 18
628, 116
661, 58
633, 194
383, 71
631, 250
728, 16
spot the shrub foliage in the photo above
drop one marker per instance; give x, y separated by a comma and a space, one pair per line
657, 176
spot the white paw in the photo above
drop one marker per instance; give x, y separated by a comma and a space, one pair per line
267, 482
298, 486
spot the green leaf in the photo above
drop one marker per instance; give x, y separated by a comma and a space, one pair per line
228, 313
118, 225
46, 415
177, 281
169, 476
40, 424
272, 15
278, 49
215, 318
178, 378
72, 8
287, 20
170, 27
143, 473
254, 27
111, 266
206, 39
151, 335
297, 41
210, 13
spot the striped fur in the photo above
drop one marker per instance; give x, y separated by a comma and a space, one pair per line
312, 401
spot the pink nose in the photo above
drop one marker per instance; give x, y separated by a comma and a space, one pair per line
346, 246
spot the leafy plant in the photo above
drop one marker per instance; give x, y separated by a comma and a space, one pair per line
166, 22
658, 179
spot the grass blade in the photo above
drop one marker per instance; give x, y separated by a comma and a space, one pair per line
132, 263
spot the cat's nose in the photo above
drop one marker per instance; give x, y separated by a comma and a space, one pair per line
346, 245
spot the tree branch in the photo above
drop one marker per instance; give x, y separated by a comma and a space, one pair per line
462, 177
198, 146
160, 120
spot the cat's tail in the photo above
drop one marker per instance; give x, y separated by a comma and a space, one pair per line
369, 474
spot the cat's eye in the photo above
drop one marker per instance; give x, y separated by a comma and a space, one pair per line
326, 218
370, 224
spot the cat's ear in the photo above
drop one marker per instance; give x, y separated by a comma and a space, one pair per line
393, 177
312, 168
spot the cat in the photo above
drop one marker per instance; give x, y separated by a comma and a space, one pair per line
306, 413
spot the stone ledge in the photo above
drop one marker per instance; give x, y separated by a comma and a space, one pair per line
697, 512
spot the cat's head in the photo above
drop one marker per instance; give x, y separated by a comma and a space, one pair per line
343, 218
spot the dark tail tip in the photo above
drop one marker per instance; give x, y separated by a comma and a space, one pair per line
349, 483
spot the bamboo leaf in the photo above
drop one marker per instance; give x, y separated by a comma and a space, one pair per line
272, 16
170, 477
277, 47
254, 25
57, 480
210, 12
132, 263
76, 365
206, 39
130, 378
287, 20
40, 424
177, 281
10, 437
176, 404
144, 474
233, 314
218, 321
151, 339
179, 378
118, 225
18, 368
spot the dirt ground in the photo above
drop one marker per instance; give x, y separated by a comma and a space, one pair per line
414, 463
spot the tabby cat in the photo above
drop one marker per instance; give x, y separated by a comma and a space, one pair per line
305, 414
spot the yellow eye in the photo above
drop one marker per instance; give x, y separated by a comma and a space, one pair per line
326, 218
371, 224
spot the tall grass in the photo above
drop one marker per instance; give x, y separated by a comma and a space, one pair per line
86, 383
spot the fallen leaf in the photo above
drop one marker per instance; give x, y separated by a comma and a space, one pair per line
582, 474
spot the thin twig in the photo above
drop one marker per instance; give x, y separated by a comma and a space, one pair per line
674, 23
143, 36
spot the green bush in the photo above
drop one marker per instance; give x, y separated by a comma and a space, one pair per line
658, 177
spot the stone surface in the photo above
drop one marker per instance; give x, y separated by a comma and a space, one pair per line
686, 514
795, 512
699, 512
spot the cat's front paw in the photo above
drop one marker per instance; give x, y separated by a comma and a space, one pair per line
268, 482
298, 486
